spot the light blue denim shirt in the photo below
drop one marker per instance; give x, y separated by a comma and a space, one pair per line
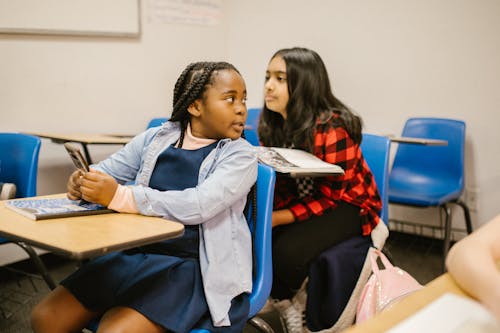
217, 203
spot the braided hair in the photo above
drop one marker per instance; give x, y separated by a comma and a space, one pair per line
190, 86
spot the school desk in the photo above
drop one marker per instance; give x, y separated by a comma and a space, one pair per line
417, 141
409, 306
85, 139
87, 236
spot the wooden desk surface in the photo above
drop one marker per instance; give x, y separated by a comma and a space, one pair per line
87, 236
408, 306
86, 138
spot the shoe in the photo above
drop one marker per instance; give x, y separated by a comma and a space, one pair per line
293, 317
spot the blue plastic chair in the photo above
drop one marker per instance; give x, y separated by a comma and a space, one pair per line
252, 125
376, 151
431, 176
19, 165
157, 122
261, 235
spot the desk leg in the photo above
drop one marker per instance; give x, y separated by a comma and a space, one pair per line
86, 152
39, 264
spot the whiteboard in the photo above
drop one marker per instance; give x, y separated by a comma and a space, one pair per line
119, 18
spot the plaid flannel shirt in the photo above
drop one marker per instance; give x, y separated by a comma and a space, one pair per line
357, 186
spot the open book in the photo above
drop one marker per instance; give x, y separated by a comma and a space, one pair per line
49, 208
297, 163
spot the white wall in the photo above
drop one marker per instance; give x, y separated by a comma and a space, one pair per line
96, 84
387, 59
390, 60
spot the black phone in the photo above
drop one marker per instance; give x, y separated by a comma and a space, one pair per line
77, 157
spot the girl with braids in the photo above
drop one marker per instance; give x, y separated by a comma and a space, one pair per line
313, 214
194, 169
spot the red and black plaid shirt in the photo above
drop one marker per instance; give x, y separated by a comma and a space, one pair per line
357, 186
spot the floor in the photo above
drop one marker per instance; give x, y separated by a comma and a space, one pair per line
419, 256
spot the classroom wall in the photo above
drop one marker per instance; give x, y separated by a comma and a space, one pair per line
388, 60
97, 84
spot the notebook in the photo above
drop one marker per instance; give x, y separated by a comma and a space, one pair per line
49, 208
296, 163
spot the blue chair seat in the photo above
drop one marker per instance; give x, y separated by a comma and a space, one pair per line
432, 192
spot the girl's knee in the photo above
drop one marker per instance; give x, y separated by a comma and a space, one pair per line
59, 311
126, 320
42, 314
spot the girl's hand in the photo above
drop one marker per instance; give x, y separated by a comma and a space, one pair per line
73, 186
282, 216
98, 187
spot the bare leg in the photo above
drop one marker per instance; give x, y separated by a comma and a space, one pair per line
127, 320
60, 312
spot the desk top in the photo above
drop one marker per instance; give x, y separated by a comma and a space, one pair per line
409, 306
86, 138
87, 236
417, 141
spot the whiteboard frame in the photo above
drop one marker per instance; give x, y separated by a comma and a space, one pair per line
26, 28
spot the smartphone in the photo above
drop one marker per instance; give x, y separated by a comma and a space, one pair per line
77, 157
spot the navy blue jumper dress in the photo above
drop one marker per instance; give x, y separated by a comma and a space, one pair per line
162, 280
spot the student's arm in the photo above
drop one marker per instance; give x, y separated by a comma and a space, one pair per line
229, 181
473, 264
282, 216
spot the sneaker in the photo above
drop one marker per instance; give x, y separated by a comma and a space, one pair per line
293, 316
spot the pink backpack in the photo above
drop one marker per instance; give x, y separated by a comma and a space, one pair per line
384, 287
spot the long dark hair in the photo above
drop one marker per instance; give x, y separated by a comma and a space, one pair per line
310, 100
191, 86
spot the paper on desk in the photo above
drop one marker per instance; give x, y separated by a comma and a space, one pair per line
450, 313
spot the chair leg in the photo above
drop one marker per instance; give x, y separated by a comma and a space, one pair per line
468, 221
39, 264
260, 324
447, 233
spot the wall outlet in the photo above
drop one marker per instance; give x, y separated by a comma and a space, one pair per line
472, 199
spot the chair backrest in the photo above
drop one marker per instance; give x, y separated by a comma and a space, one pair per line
376, 151
262, 280
19, 162
252, 125
157, 122
421, 165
